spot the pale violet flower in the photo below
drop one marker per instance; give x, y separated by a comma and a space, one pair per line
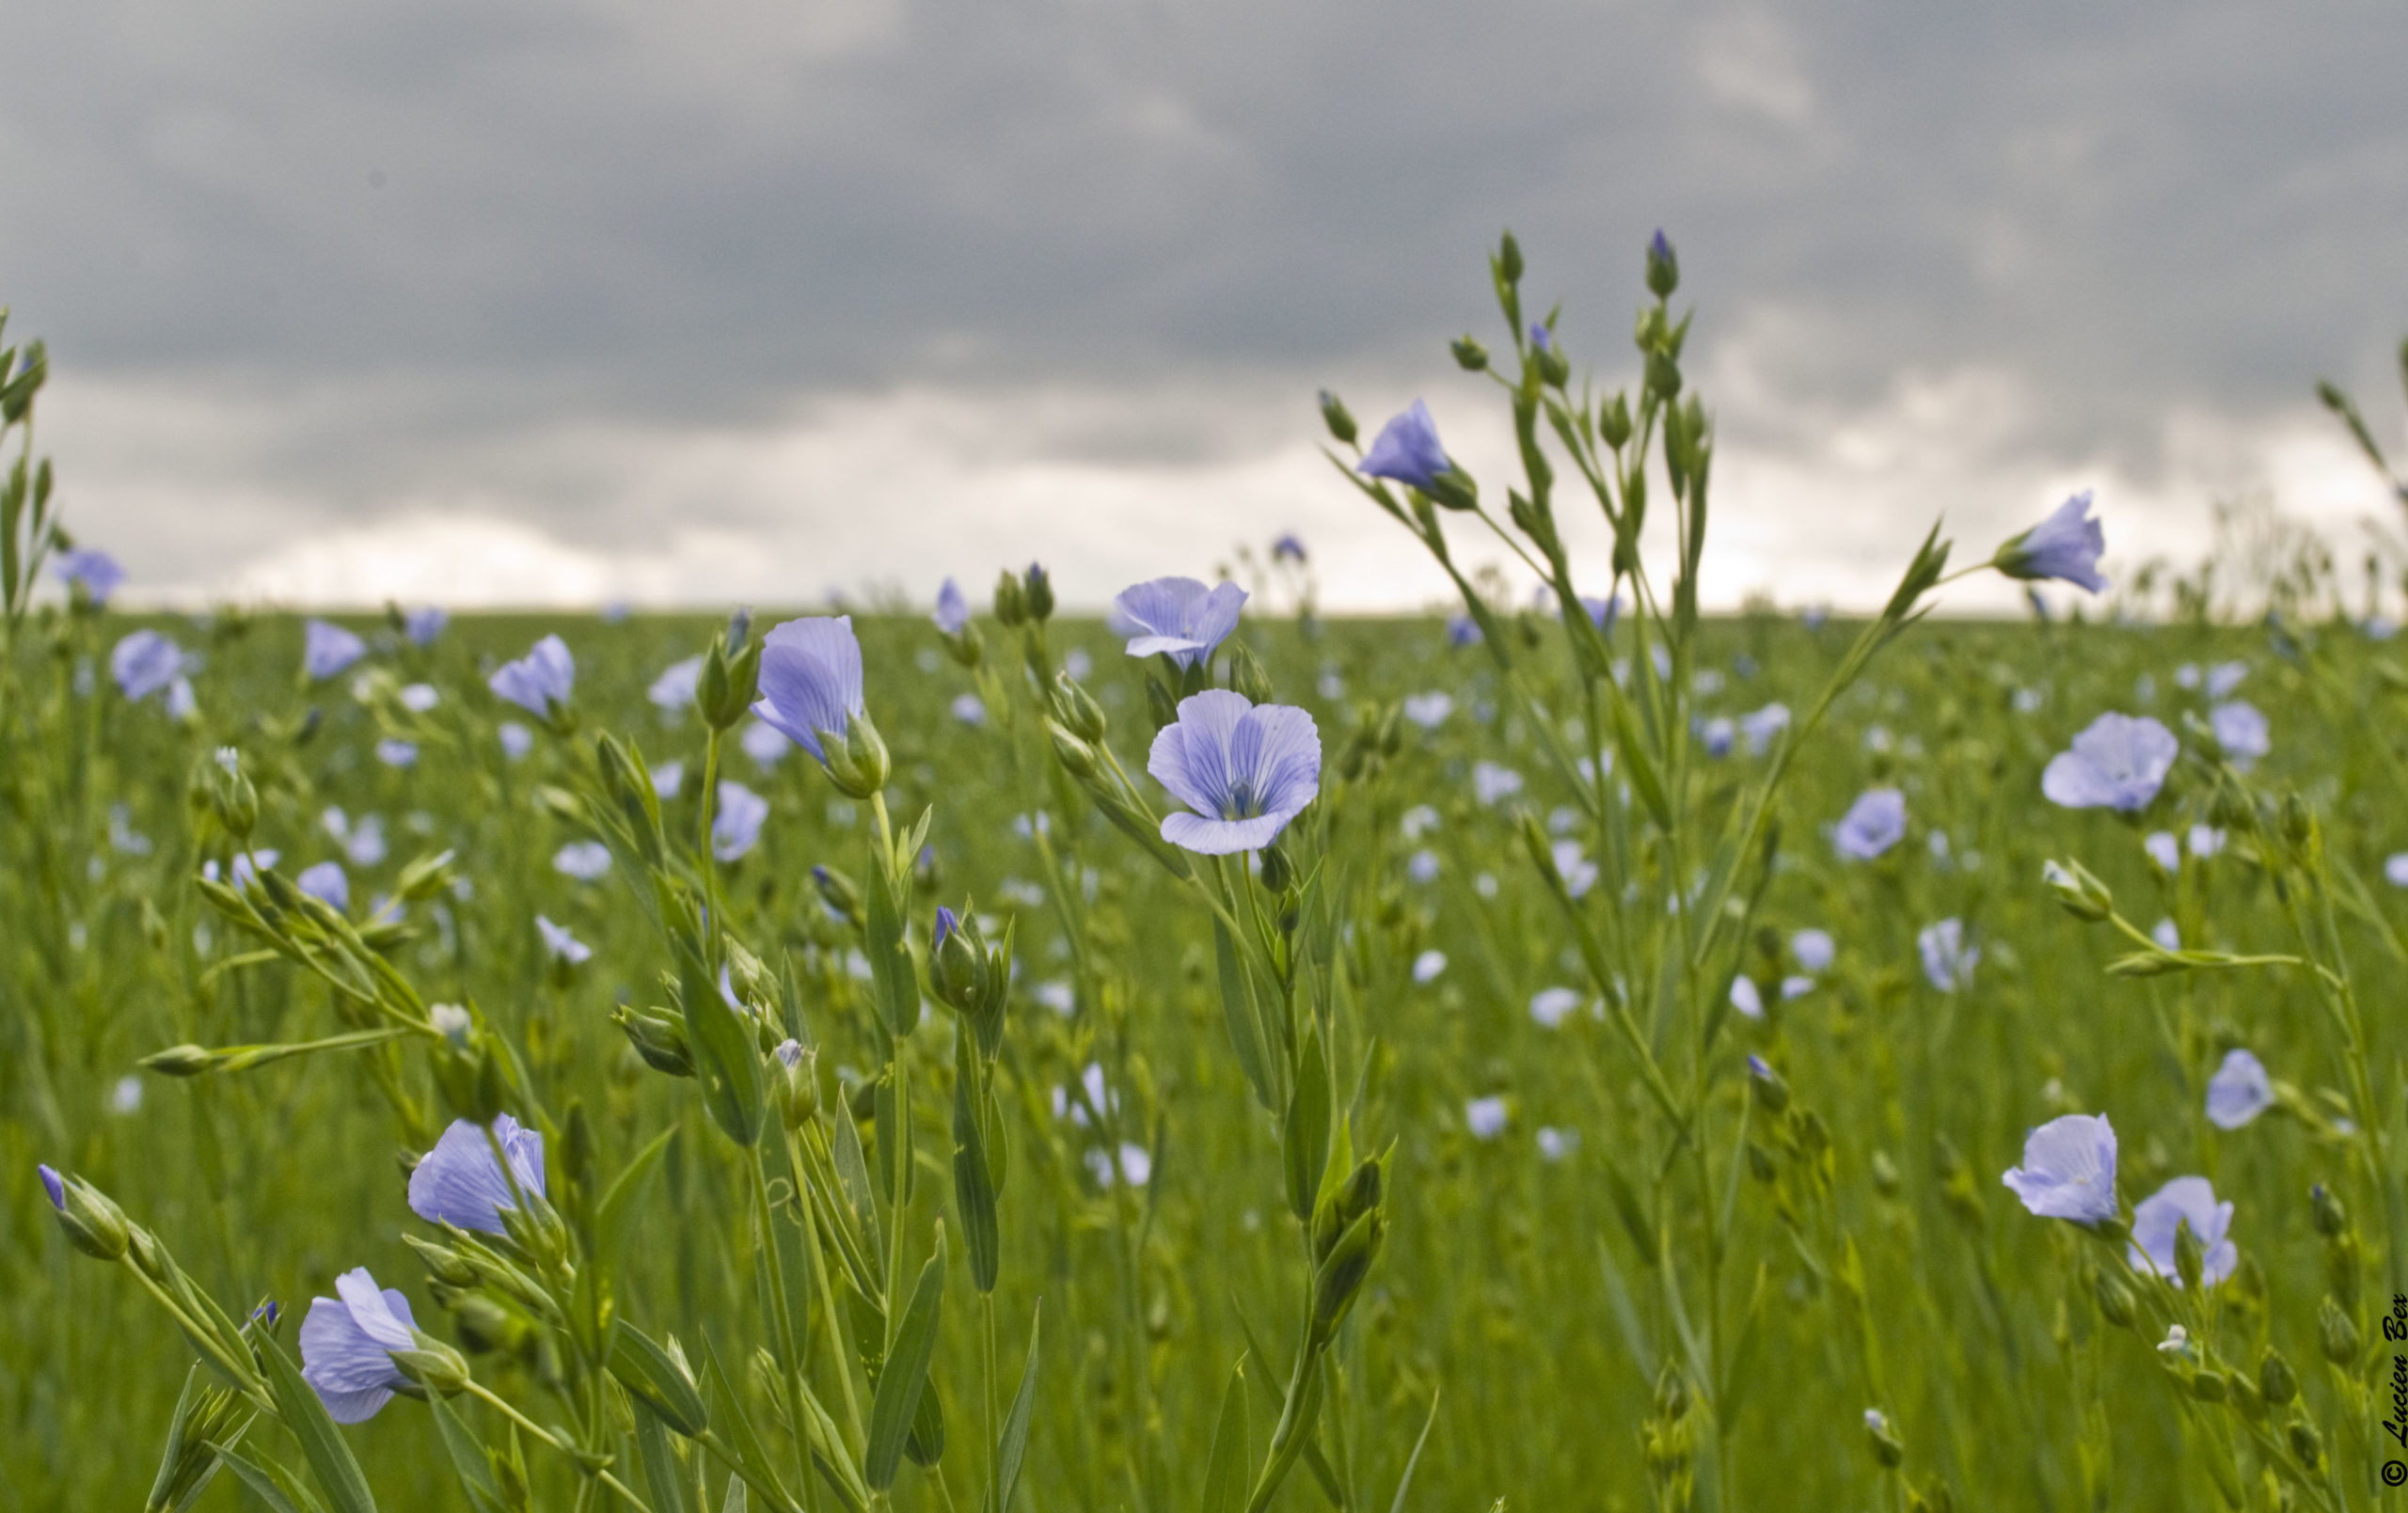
2206, 840
2240, 1090
1136, 1165
1718, 736
2068, 1169
326, 649
1796, 986
2167, 936
2224, 677
424, 624
2395, 869
810, 680
539, 682
459, 1182
347, 1342
1764, 727
418, 698
765, 744
181, 702
516, 740
1427, 966
326, 883
969, 708
1077, 663
1422, 866
2189, 1201
1418, 821
1747, 998
2241, 730
1555, 1144
1486, 1117
2066, 546
394, 752
1244, 770
1491, 782
1874, 823
1551, 1006
143, 662
93, 571
668, 779
125, 1097
2119, 762
2165, 850
561, 946
736, 827
1178, 617
1813, 950
584, 860
953, 610
1948, 958
1406, 449
1428, 710
1578, 872
674, 688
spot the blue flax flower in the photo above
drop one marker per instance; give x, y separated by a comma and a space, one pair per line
2241, 730
424, 624
2240, 1090
145, 662
459, 1183
1179, 618
674, 688
326, 649
326, 883
347, 1345
1289, 547
561, 945
1874, 823
810, 680
2186, 1200
1407, 449
2068, 1169
1948, 958
2118, 763
540, 682
736, 827
2065, 546
1245, 771
953, 609
95, 572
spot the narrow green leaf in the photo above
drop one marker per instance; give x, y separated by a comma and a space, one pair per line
1404, 1483
1634, 1330
852, 1175
671, 1492
650, 1375
468, 1455
270, 1483
1245, 1022
974, 1187
322, 1445
736, 1428
618, 1203
735, 1502
906, 1371
890, 959
1231, 1465
1305, 1142
1015, 1438
726, 1055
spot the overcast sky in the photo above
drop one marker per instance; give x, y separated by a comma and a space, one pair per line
496, 301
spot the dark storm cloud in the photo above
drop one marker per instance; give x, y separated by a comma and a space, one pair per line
443, 227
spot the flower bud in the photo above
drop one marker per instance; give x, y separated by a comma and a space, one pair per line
1663, 267
1613, 423
433, 1364
1334, 416
2187, 1257
2274, 1379
424, 877
1761, 1164
1340, 1275
1509, 259
2081, 894
180, 1061
2332, 1220
1882, 1439
1453, 489
1077, 711
1278, 873
1037, 592
2116, 1303
2306, 1443
1011, 604
859, 766
1469, 355
93, 1224
730, 682
1772, 1092
1077, 759
2211, 1386
660, 1038
796, 1083
1247, 676
839, 892
2338, 1334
